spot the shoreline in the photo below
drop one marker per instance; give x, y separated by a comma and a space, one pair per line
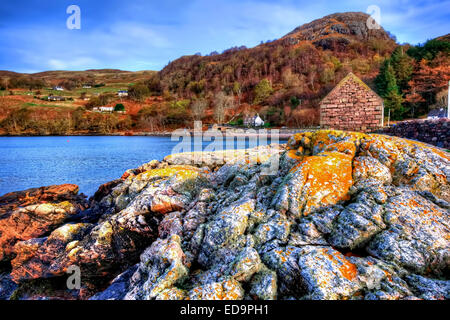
285, 134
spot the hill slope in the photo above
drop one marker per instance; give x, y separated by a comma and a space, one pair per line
306, 63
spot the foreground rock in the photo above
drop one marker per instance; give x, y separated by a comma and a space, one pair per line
343, 216
32, 213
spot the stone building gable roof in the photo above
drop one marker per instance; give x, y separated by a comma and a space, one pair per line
351, 76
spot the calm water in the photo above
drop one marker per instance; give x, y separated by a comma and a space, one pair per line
28, 162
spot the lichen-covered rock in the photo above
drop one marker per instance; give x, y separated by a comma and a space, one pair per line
316, 182
429, 289
245, 265
369, 171
223, 235
53, 194
358, 222
345, 215
225, 290
30, 222
40, 257
264, 285
417, 237
119, 237
162, 266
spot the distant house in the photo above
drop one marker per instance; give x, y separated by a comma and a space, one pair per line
253, 121
58, 88
352, 105
106, 109
437, 113
122, 93
56, 98
258, 122
87, 86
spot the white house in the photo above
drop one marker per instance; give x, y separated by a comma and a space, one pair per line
106, 109
258, 122
253, 121
58, 88
122, 93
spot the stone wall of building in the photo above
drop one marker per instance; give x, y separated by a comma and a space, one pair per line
352, 105
435, 132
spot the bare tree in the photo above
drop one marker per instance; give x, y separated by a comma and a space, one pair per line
198, 109
222, 103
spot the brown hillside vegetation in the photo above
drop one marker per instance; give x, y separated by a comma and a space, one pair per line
305, 63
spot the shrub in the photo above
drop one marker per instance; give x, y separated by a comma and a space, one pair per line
138, 92
119, 107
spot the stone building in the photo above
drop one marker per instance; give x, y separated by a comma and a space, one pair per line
352, 105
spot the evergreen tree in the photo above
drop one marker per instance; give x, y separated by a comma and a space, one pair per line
387, 88
403, 67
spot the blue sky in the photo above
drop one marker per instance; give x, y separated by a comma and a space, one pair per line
147, 34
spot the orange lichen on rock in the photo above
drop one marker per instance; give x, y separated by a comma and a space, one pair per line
346, 268
325, 179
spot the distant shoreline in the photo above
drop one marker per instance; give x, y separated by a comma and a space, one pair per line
283, 134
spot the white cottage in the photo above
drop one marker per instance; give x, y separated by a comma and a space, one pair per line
258, 122
106, 109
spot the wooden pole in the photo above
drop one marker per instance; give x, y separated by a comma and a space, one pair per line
448, 102
389, 117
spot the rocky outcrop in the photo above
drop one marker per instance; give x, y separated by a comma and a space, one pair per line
344, 216
32, 213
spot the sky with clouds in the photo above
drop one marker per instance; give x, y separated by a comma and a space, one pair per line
147, 34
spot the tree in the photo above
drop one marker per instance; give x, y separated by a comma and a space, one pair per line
77, 118
138, 92
393, 101
290, 80
177, 112
198, 109
154, 84
101, 100
237, 90
153, 117
429, 50
295, 102
262, 91
119, 107
403, 67
386, 82
222, 103
386, 86
17, 120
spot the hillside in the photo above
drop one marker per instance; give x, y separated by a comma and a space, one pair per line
89, 76
305, 63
